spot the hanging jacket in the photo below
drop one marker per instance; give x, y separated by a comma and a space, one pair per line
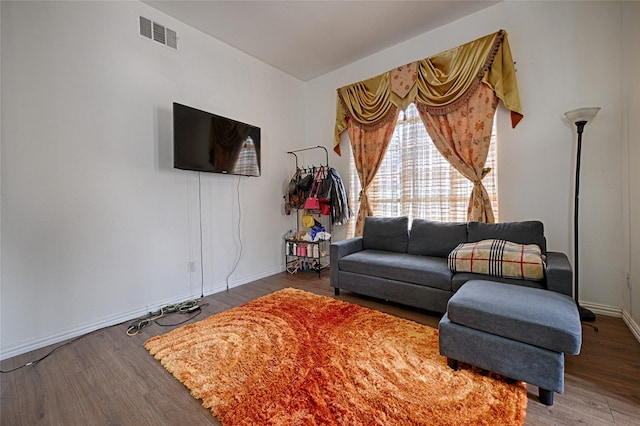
340, 210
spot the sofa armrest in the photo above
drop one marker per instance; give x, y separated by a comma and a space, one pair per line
559, 273
337, 251
340, 249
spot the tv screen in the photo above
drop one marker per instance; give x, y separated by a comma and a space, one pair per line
207, 142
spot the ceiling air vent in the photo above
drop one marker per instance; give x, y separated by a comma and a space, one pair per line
172, 39
161, 34
158, 33
145, 27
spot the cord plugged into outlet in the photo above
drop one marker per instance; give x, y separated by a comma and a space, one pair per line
186, 307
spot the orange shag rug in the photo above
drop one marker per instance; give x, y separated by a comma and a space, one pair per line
296, 358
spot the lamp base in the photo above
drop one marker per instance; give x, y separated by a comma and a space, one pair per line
586, 314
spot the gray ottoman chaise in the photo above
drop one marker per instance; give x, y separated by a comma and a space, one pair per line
518, 332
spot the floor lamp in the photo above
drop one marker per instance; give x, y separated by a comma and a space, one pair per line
580, 117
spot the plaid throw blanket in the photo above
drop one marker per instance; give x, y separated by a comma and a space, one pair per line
498, 258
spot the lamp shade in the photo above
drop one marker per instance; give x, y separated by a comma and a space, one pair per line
582, 114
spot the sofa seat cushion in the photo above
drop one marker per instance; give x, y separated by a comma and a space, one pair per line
421, 270
537, 317
460, 278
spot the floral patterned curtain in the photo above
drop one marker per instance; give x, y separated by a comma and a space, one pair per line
369, 147
463, 137
451, 86
439, 81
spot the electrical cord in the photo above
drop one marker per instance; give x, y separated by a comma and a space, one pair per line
186, 307
239, 235
51, 352
201, 254
45, 356
139, 324
197, 311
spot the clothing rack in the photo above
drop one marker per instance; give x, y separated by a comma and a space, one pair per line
317, 257
312, 168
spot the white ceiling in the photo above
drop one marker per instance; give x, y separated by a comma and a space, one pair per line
307, 39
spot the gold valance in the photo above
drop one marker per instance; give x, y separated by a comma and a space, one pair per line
437, 84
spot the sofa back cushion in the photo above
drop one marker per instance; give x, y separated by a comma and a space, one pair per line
386, 233
429, 238
525, 232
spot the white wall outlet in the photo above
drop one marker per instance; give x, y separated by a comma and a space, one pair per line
191, 266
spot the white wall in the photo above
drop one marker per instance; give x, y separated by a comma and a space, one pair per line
97, 227
631, 157
568, 56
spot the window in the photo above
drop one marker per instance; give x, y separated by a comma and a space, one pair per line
414, 180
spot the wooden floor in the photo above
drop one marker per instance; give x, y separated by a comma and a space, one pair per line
108, 378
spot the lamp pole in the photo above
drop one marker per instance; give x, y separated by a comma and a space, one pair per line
585, 314
579, 117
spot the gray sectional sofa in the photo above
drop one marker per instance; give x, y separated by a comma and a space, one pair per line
517, 327
410, 266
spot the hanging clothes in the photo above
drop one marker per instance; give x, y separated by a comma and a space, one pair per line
340, 210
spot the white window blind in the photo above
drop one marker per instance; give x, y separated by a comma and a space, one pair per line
414, 180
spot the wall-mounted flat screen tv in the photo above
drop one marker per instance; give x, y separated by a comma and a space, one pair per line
206, 142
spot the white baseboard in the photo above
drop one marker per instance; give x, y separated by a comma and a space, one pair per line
41, 342
633, 326
612, 311
245, 280
37, 343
